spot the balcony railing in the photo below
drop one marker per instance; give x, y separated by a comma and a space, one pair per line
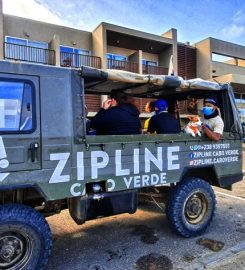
29, 54
78, 60
156, 70
123, 65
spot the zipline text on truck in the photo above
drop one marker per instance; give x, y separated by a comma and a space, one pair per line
48, 163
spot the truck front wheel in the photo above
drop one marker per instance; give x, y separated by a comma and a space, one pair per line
191, 206
25, 238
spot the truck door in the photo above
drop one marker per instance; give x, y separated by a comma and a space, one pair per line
19, 123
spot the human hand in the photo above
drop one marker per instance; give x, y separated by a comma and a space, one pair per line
107, 104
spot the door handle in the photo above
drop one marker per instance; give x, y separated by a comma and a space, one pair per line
33, 148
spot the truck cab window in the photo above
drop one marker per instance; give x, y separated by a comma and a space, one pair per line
15, 107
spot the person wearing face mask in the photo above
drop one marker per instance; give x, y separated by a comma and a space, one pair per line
213, 125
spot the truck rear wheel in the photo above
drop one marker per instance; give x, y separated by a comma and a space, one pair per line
191, 206
25, 238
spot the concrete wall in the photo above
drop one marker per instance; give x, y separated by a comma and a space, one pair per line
40, 31
172, 33
120, 51
136, 33
204, 59
223, 68
54, 44
227, 48
240, 62
150, 57
137, 58
206, 68
164, 57
1, 30
99, 44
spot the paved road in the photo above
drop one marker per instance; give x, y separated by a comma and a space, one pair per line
143, 240
237, 263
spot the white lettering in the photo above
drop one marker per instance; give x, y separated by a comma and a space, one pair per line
95, 164
4, 163
154, 179
145, 180
128, 181
137, 181
113, 184
73, 192
136, 161
80, 166
163, 178
119, 170
56, 176
149, 157
172, 158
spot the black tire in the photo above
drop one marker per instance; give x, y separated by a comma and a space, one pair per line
191, 206
25, 238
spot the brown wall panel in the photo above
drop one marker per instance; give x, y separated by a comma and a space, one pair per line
186, 61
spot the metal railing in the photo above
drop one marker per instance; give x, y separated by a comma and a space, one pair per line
123, 65
29, 54
78, 60
156, 70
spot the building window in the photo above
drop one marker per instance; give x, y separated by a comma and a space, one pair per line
74, 56
149, 63
116, 61
116, 57
26, 50
15, 106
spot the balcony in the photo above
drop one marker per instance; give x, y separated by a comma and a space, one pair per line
78, 60
155, 70
123, 65
219, 69
29, 54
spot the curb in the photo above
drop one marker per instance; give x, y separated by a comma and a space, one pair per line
213, 260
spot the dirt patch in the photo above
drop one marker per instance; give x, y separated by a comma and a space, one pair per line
148, 235
241, 230
115, 254
210, 244
97, 267
188, 257
154, 261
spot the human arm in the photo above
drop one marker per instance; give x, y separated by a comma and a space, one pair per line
217, 131
100, 120
214, 136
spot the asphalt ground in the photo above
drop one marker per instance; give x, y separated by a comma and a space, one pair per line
145, 241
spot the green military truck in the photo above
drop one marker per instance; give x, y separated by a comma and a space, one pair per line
49, 163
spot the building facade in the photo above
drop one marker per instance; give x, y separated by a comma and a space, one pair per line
107, 46
223, 62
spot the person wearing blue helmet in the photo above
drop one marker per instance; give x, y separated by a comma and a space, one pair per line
163, 122
213, 125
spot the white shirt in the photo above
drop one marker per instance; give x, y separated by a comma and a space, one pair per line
216, 124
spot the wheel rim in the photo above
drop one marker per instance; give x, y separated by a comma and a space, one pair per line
196, 207
15, 250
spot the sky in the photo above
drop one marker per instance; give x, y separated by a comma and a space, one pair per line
195, 20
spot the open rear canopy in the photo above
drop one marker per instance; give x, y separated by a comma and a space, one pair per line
103, 81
